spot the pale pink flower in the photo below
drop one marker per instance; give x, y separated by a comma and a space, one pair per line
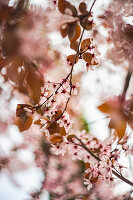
88, 183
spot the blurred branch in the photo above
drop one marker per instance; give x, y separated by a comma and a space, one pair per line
127, 81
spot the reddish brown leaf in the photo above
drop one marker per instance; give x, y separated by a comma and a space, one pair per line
63, 30
119, 124
34, 82
57, 115
20, 109
87, 165
53, 128
71, 27
105, 107
6, 13
62, 131
38, 122
74, 11
74, 45
23, 124
66, 8
86, 176
9, 41
73, 36
88, 58
93, 180
83, 8
71, 58
56, 139
118, 121
13, 64
86, 25
85, 44
69, 137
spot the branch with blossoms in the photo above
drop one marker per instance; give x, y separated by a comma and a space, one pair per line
69, 76
66, 87
115, 172
56, 124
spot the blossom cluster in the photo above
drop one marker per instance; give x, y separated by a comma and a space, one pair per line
100, 157
54, 97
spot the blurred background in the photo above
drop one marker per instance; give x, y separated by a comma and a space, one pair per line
43, 45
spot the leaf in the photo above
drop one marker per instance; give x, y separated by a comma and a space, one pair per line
83, 8
105, 107
93, 180
88, 58
34, 82
40, 111
9, 41
62, 131
56, 139
57, 115
6, 13
73, 36
63, 30
118, 121
69, 137
85, 44
20, 109
119, 124
87, 165
95, 63
24, 125
53, 128
24, 122
38, 122
62, 5
73, 10
71, 30
74, 45
71, 59
66, 8
86, 25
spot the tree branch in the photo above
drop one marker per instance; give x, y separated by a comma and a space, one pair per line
70, 73
127, 81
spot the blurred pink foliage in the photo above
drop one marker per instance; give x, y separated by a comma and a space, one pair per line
75, 164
